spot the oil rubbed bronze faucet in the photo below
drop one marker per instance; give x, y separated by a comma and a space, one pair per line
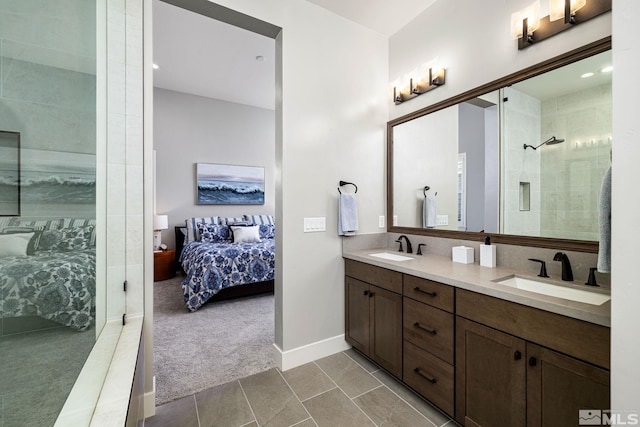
409, 248
567, 274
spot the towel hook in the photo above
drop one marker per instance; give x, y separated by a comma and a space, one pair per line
427, 188
343, 183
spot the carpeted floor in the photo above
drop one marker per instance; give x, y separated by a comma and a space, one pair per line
219, 343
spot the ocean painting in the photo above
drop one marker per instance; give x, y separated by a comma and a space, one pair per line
9, 173
229, 184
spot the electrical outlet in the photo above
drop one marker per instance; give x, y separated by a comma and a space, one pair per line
395, 220
312, 225
442, 220
381, 221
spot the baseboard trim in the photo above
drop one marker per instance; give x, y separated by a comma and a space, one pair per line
308, 353
150, 401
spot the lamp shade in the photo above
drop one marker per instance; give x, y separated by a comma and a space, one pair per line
556, 8
532, 14
160, 222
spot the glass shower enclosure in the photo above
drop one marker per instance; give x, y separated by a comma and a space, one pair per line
60, 279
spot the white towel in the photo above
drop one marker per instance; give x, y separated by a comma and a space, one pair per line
347, 215
429, 212
604, 249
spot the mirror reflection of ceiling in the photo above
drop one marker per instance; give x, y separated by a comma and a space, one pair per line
568, 79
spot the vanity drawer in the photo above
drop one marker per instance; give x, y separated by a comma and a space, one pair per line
386, 279
429, 328
429, 292
429, 376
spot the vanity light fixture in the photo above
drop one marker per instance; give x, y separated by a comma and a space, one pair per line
418, 84
563, 14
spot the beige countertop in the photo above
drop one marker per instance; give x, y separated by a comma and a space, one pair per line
479, 279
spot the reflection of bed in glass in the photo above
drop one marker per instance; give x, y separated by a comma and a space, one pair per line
47, 270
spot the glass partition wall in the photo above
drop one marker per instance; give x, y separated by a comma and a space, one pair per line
61, 142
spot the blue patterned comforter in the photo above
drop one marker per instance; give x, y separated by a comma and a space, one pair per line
58, 286
211, 267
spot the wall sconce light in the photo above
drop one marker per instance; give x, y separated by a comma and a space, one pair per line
418, 84
563, 14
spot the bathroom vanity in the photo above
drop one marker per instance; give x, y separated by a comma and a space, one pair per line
485, 353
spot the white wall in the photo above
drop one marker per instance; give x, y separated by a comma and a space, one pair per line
333, 111
193, 129
625, 316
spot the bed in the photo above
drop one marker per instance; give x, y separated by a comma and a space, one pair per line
47, 270
225, 257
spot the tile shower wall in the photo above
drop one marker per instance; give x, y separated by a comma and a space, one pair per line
572, 172
521, 125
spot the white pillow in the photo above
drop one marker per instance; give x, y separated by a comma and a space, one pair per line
14, 244
246, 234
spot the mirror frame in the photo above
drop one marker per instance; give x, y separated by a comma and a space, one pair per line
586, 51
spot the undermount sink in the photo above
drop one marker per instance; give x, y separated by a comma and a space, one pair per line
558, 291
391, 257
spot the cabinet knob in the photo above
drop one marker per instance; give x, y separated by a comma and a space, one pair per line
366, 293
533, 361
517, 355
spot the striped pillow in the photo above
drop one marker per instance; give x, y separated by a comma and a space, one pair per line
193, 235
231, 221
260, 219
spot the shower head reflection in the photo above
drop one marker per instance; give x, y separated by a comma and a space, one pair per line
551, 141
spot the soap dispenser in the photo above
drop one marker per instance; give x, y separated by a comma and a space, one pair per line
488, 254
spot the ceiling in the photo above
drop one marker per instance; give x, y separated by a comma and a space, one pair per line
201, 56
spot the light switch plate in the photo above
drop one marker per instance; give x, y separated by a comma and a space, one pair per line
381, 221
395, 220
315, 224
442, 220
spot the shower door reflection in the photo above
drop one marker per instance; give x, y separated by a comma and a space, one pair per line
48, 262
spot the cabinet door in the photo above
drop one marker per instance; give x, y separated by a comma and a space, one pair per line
357, 326
490, 376
386, 329
559, 386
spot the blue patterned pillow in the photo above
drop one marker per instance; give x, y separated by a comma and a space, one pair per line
267, 231
193, 234
214, 233
66, 239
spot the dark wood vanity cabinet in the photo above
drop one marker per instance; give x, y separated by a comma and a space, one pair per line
428, 347
373, 314
483, 360
503, 378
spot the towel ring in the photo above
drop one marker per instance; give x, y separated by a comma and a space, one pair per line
343, 183
427, 188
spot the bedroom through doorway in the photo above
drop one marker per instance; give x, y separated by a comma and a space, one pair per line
214, 133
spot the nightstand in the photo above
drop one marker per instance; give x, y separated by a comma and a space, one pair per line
164, 265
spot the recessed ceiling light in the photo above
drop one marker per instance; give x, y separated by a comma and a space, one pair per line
586, 75
607, 69
155, 66
260, 58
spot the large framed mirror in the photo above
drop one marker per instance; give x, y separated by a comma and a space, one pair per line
520, 159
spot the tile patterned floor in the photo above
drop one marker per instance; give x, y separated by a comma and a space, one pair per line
344, 389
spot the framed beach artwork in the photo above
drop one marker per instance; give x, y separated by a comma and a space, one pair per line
229, 184
9, 173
